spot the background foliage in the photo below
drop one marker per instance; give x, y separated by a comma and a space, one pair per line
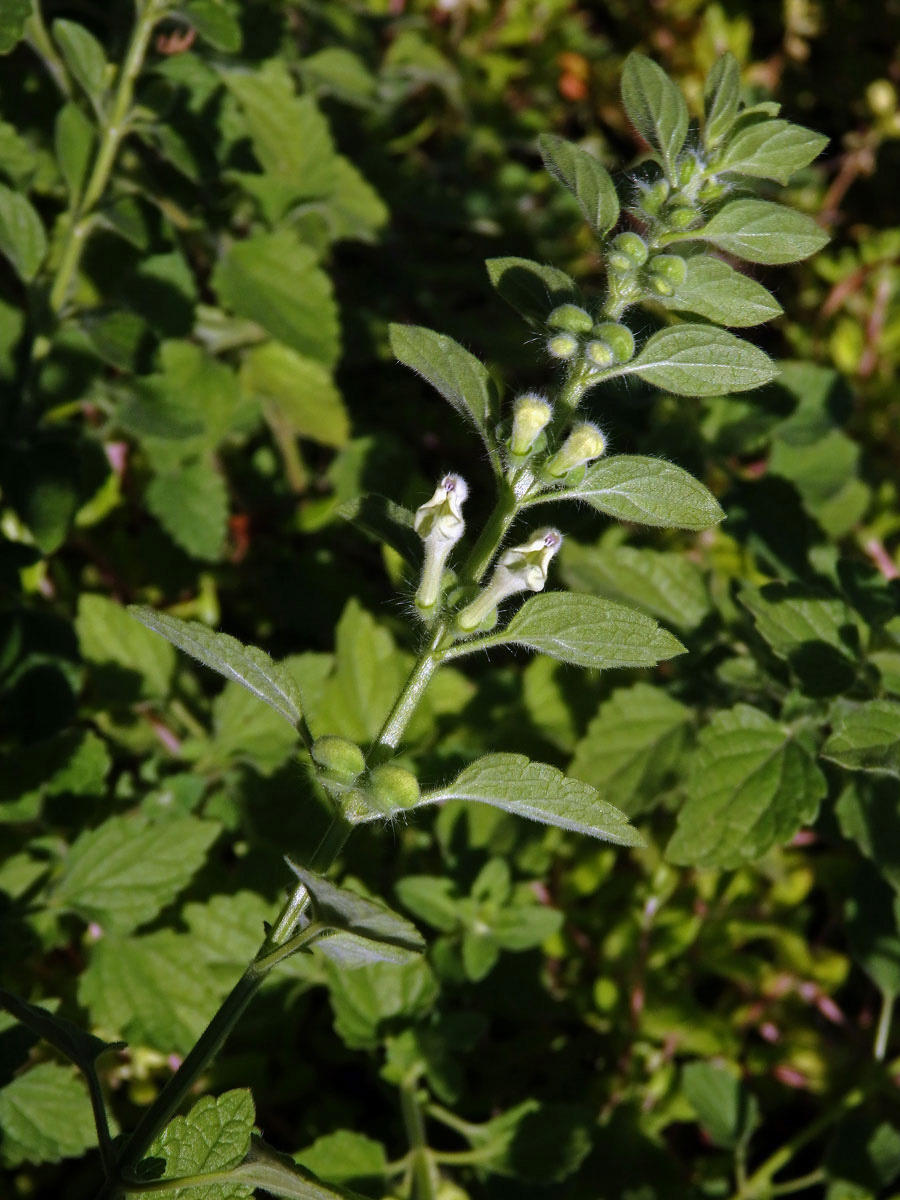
182, 426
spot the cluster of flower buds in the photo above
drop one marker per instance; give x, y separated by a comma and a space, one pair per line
440, 525
597, 346
675, 210
341, 768
520, 569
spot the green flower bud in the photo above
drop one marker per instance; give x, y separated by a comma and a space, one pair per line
339, 760
392, 788
570, 318
618, 337
628, 248
654, 197
584, 443
712, 190
531, 415
522, 568
681, 218
563, 346
687, 170
661, 286
599, 354
671, 267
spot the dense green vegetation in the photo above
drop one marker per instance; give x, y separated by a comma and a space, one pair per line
221, 225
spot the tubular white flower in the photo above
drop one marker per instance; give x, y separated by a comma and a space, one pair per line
440, 525
520, 569
584, 443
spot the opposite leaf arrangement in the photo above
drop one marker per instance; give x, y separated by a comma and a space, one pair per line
661, 234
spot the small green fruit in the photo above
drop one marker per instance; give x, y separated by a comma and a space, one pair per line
618, 337
392, 788
570, 318
338, 759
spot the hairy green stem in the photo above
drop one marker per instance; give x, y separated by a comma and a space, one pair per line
42, 44
883, 1032
422, 1175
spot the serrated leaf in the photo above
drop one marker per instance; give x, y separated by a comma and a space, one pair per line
79, 1046
345, 1157
763, 232
191, 504
215, 24
752, 786
22, 236
727, 1111
532, 289
371, 1001
213, 1136
649, 491
73, 140
109, 637
700, 360
586, 631
74, 762
536, 790
45, 1116
868, 739
714, 290
630, 746
385, 935
535, 1142
458, 375
665, 584
84, 56
298, 391
721, 98
770, 150
246, 730
274, 280
655, 107
586, 178
13, 15
246, 665
127, 870
278, 1175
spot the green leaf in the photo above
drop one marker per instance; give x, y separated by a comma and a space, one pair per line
721, 98
248, 730
655, 106
13, 15
297, 391
458, 375
273, 279
191, 504
378, 998
868, 814
108, 636
345, 1157
586, 631
22, 237
664, 584
214, 23
246, 665
873, 928
770, 150
278, 1175
127, 870
535, 790
699, 360
714, 290
752, 786
763, 232
80, 1047
535, 1142
631, 745
727, 1111
586, 178
649, 491
868, 739
387, 522
385, 936
84, 56
73, 141
74, 762
432, 899
213, 1136
45, 1116
353, 209
813, 631
343, 73
531, 288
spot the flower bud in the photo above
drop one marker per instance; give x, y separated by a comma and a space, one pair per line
712, 190
392, 788
661, 286
670, 267
339, 760
628, 252
570, 318
682, 217
687, 170
440, 525
599, 355
531, 415
583, 443
618, 337
563, 346
654, 197
520, 569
